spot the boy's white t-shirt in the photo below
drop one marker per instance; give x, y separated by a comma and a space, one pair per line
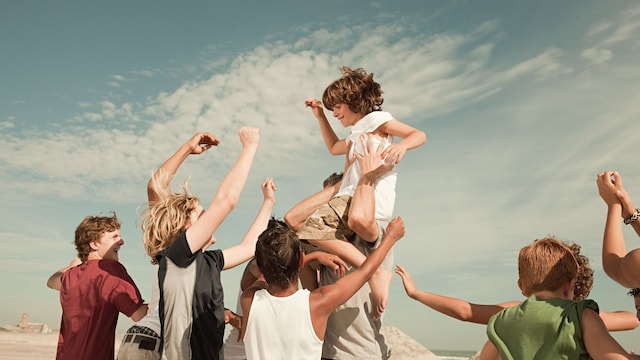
385, 191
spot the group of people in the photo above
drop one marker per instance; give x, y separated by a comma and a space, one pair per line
317, 282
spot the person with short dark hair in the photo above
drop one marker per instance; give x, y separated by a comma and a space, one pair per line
283, 321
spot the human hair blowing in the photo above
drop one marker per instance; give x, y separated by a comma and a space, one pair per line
356, 89
165, 219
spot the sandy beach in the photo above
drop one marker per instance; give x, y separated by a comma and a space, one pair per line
33, 346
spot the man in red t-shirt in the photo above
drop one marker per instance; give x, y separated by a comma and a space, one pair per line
94, 288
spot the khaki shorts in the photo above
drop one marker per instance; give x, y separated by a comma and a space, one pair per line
329, 221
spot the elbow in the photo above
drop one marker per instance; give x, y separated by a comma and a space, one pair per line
363, 226
463, 315
422, 136
292, 222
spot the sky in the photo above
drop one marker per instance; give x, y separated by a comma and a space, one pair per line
523, 103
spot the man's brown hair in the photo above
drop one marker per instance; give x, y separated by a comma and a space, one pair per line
91, 229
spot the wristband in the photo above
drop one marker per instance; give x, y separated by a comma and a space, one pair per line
633, 217
392, 235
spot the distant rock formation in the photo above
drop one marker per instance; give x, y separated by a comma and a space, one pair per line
25, 326
403, 347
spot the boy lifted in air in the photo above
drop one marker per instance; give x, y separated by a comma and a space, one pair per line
356, 99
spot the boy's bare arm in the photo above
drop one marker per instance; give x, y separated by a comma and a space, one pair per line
599, 343
299, 213
228, 193
362, 211
411, 139
242, 252
199, 143
619, 320
55, 280
140, 313
456, 308
489, 352
324, 300
335, 145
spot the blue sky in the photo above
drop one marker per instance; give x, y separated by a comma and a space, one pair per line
523, 104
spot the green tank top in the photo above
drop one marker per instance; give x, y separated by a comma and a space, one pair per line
540, 329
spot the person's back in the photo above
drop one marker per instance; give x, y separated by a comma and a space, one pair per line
541, 329
282, 321
93, 292
296, 340
90, 308
549, 324
352, 331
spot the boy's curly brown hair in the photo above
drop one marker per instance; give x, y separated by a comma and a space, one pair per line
356, 89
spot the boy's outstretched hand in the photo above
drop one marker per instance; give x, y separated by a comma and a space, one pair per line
407, 281
316, 107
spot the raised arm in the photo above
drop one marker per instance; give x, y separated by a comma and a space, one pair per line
619, 265
199, 143
324, 300
628, 209
363, 204
226, 198
55, 280
242, 252
411, 139
335, 145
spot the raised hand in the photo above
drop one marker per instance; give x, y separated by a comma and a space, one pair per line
249, 136
268, 189
371, 161
201, 142
316, 107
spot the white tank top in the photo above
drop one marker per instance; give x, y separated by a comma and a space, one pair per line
281, 328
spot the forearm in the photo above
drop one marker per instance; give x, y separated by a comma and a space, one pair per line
233, 183
163, 175
242, 252
619, 320
225, 200
55, 280
613, 247
415, 139
299, 213
628, 208
344, 249
362, 209
329, 136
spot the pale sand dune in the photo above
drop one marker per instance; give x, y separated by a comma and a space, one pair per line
23, 346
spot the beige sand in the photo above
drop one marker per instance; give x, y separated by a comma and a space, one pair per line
23, 346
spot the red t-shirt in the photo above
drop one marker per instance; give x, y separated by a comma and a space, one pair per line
92, 294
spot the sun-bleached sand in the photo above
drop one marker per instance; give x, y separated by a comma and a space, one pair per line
33, 346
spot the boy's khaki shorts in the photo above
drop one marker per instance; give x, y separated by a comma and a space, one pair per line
328, 222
